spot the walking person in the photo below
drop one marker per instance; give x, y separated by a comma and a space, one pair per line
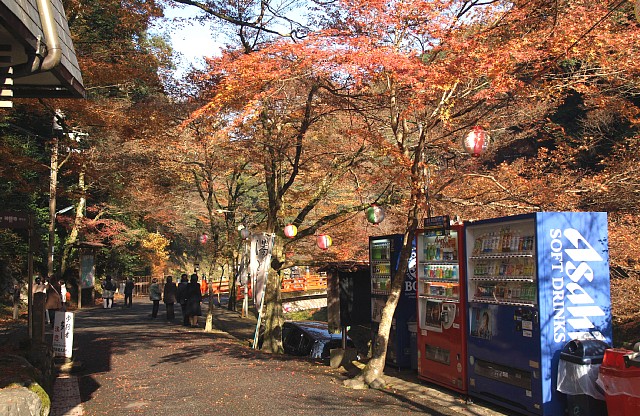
39, 286
63, 294
170, 294
194, 297
182, 298
53, 302
204, 288
108, 290
155, 295
128, 292
15, 296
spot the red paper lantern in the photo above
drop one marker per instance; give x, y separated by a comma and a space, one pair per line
476, 142
324, 241
290, 230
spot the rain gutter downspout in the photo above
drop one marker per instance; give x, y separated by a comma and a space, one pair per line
48, 53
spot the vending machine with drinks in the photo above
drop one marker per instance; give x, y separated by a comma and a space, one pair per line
441, 294
384, 253
534, 283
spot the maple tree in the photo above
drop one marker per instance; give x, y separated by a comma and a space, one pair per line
273, 118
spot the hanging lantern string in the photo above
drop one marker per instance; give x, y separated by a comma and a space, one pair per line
335, 224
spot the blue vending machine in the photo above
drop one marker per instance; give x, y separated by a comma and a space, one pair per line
534, 283
384, 259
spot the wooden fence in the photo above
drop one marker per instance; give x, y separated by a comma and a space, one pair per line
293, 284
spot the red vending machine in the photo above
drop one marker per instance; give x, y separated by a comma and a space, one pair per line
441, 293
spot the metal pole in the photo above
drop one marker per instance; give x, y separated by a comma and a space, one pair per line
30, 277
344, 338
80, 256
53, 185
245, 301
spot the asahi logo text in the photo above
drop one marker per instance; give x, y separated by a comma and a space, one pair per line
573, 307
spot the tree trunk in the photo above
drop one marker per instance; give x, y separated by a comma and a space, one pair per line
272, 314
372, 373
208, 327
75, 231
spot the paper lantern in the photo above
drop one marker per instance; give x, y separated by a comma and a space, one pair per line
375, 214
324, 241
290, 230
476, 142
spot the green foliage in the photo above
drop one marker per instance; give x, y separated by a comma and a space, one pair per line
307, 315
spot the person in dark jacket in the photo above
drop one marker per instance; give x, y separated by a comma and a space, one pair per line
182, 298
170, 294
194, 297
128, 292
108, 291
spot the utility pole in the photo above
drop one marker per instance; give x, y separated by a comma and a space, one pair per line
53, 186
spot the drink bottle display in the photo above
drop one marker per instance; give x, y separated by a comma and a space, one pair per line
440, 292
534, 283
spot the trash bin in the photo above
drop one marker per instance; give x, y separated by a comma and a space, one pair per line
413, 343
578, 369
621, 384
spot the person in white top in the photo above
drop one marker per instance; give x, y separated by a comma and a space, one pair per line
63, 294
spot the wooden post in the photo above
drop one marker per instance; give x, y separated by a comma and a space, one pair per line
37, 320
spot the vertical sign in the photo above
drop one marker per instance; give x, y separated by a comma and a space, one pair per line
63, 334
260, 261
574, 289
574, 275
87, 270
